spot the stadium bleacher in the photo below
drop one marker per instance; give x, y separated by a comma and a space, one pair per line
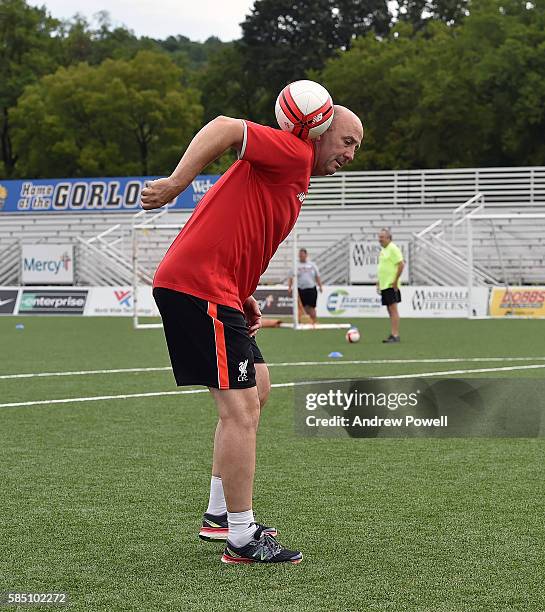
339, 209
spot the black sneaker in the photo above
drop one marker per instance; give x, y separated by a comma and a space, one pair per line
391, 339
216, 528
262, 548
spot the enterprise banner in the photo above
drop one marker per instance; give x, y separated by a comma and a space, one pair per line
90, 195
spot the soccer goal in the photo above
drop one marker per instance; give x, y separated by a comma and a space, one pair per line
298, 319
153, 233
509, 249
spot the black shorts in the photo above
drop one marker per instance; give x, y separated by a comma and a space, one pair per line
208, 343
308, 296
390, 296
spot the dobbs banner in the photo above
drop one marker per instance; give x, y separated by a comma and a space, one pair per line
517, 301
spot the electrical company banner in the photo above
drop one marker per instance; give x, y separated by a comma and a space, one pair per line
115, 194
364, 301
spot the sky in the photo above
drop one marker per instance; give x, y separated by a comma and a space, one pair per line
161, 18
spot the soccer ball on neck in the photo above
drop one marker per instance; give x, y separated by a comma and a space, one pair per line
305, 109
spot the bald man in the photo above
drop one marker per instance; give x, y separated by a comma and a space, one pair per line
204, 285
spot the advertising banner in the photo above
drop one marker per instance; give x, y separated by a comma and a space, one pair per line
343, 302
8, 300
47, 264
116, 194
364, 261
66, 301
348, 301
274, 301
441, 301
363, 301
118, 302
517, 301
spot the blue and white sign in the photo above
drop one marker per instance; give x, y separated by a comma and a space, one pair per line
47, 264
90, 195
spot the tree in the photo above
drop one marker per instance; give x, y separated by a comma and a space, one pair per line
27, 51
284, 39
122, 117
80, 41
228, 86
421, 12
468, 95
186, 52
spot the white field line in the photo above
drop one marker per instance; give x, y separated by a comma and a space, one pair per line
276, 385
282, 364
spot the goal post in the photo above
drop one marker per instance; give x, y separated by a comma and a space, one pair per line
154, 233
505, 265
296, 322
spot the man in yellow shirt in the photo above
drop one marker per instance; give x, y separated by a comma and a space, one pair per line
390, 268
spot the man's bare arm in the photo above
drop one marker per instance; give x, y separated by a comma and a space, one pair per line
319, 283
214, 139
400, 268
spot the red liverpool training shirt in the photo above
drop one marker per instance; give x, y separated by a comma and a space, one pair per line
236, 228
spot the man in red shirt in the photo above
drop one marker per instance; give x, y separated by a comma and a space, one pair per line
204, 286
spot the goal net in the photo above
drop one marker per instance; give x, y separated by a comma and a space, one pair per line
153, 233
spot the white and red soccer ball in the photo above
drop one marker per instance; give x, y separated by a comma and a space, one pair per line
352, 335
305, 109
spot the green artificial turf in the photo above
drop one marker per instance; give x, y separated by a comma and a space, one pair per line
103, 499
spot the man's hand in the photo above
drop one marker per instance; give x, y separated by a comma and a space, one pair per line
378, 288
253, 315
158, 193
395, 285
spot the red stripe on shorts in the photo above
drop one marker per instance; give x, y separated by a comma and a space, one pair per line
221, 351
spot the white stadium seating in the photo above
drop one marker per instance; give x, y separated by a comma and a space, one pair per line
348, 206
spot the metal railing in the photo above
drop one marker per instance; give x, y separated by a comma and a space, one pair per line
524, 185
438, 261
334, 264
10, 264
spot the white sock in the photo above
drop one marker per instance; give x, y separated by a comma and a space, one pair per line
241, 527
216, 501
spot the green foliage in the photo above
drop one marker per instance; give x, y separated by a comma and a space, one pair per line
27, 51
123, 117
450, 83
419, 12
449, 97
283, 39
191, 54
81, 42
229, 87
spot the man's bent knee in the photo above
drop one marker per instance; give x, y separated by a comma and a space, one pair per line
238, 406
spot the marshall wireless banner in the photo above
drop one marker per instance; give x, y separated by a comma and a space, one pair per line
364, 261
90, 195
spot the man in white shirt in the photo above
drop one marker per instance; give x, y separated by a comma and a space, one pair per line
308, 279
